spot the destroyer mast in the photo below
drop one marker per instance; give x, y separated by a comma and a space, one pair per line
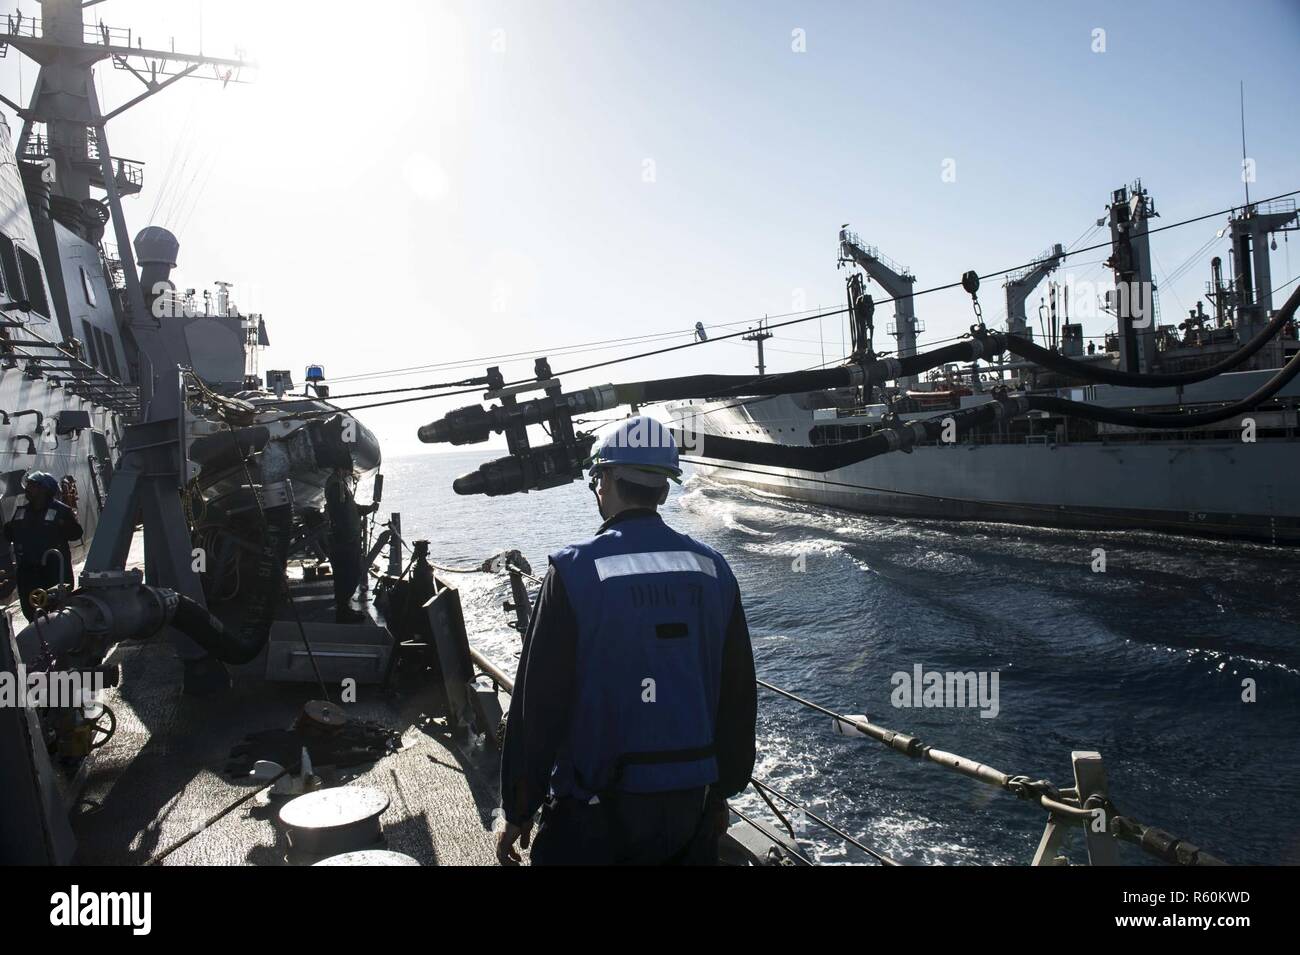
64, 131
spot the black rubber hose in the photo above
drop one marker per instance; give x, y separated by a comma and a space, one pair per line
245, 643
473, 424
1050, 359
958, 351
877, 372
193, 620
721, 386
1174, 419
1179, 419
268, 578
829, 457
819, 458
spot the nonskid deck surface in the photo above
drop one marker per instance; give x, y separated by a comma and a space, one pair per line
161, 775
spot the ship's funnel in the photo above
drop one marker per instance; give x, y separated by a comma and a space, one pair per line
155, 250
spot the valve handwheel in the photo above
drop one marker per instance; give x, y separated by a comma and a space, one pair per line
102, 725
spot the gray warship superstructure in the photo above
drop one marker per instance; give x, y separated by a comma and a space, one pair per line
74, 306
1227, 479
146, 402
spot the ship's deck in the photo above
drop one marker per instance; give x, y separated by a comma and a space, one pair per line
161, 786
161, 776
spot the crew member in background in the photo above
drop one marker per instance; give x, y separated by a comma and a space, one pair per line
40, 532
632, 717
345, 541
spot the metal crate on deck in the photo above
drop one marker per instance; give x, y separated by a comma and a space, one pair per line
342, 651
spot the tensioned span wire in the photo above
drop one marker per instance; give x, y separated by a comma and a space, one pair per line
806, 318
814, 313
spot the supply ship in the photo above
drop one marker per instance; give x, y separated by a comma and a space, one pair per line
1226, 479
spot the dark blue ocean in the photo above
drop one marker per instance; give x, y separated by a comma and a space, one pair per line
1144, 663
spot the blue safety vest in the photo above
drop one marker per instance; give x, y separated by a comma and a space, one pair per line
652, 608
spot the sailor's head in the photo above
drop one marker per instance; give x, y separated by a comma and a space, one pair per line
40, 488
633, 466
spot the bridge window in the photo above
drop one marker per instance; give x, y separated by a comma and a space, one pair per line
90, 342
13, 280
112, 355
102, 348
34, 283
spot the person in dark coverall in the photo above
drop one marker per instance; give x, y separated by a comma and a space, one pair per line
42, 525
345, 542
632, 718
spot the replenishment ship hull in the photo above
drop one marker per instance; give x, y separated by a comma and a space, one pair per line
1211, 484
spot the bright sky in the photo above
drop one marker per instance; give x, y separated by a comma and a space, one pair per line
416, 182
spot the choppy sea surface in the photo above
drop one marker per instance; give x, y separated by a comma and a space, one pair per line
1146, 663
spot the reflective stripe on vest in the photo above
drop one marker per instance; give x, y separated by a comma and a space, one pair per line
661, 562
652, 608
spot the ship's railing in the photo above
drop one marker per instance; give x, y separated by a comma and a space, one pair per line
1087, 804
918, 326
20, 25
1046, 255
1277, 207
501, 681
127, 172
36, 146
59, 363
106, 35
849, 238
113, 268
902, 271
856, 432
872, 252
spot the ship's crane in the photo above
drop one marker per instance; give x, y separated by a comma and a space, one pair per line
897, 281
1021, 284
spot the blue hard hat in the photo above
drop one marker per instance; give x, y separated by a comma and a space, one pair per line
47, 481
642, 445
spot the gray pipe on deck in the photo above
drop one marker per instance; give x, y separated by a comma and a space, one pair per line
492, 670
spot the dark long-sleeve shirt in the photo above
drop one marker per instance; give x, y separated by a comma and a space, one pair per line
542, 701
36, 531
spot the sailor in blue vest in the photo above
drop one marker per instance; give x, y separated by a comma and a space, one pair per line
632, 718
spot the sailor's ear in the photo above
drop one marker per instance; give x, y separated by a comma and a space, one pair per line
663, 495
